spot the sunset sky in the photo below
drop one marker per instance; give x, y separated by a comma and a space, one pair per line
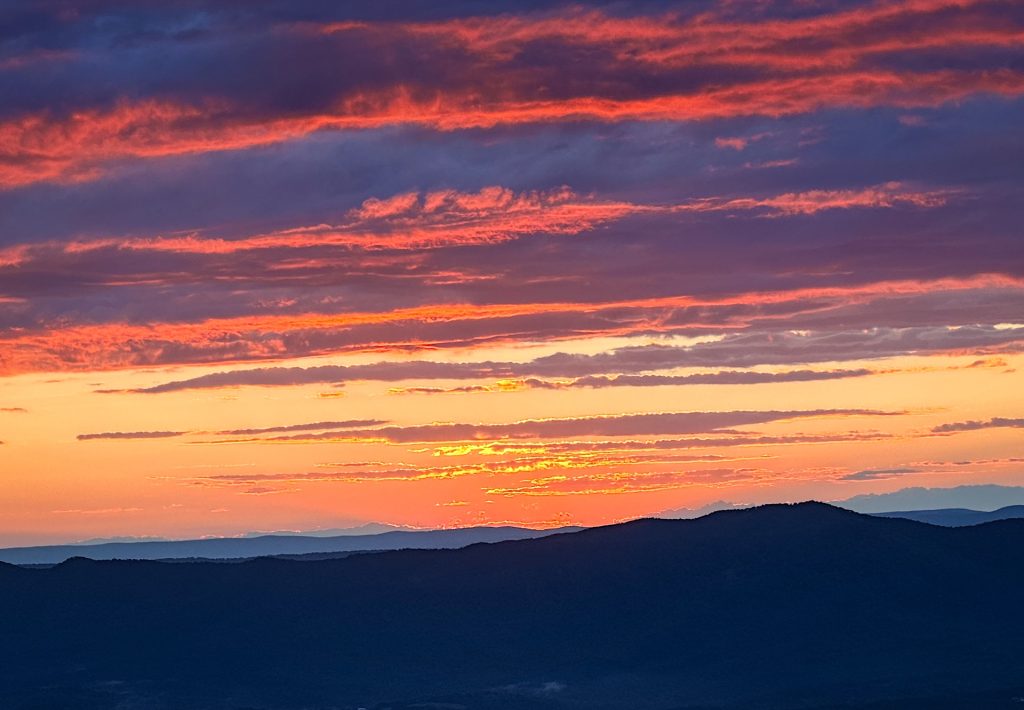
300, 265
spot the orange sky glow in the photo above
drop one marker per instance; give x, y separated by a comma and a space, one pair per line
557, 266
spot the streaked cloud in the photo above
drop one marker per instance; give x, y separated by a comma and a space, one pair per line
974, 425
653, 424
130, 435
873, 474
496, 448
739, 350
662, 67
601, 381
312, 426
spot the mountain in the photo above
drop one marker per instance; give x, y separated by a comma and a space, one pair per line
364, 529
980, 497
786, 606
269, 545
691, 513
120, 538
958, 517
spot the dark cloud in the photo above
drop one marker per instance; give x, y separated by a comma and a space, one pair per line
879, 473
670, 423
313, 426
131, 435
740, 350
973, 425
712, 378
125, 84
286, 376
602, 381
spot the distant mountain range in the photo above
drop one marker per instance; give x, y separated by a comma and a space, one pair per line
364, 529
984, 497
958, 517
979, 497
270, 545
337, 542
786, 606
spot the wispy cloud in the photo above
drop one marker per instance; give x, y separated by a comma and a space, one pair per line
974, 425
602, 381
879, 473
131, 435
653, 424
736, 350
677, 68
312, 426
735, 439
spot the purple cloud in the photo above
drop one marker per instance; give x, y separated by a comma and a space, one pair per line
974, 425
131, 435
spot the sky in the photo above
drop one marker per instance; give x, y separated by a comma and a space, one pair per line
307, 264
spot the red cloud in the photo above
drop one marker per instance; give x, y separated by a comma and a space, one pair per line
787, 66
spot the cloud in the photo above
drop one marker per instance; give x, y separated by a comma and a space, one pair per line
201, 97
533, 464
495, 448
451, 218
288, 376
262, 491
13, 410
889, 195
653, 424
740, 350
408, 221
313, 426
718, 378
95, 511
973, 425
879, 473
562, 478
602, 381
621, 483
131, 435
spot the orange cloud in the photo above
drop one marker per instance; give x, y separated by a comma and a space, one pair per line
824, 40
446, 218
796, 65
42, 147
891, 194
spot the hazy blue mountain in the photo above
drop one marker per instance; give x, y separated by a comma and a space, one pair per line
986, 497
981, 497
119, 538
269, 545
364, 529
958, 517
791, 606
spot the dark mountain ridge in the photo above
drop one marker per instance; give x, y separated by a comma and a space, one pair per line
270, 545
957, 517
789, 606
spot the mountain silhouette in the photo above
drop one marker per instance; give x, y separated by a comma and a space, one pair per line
958, 517
270, 545
783, 606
